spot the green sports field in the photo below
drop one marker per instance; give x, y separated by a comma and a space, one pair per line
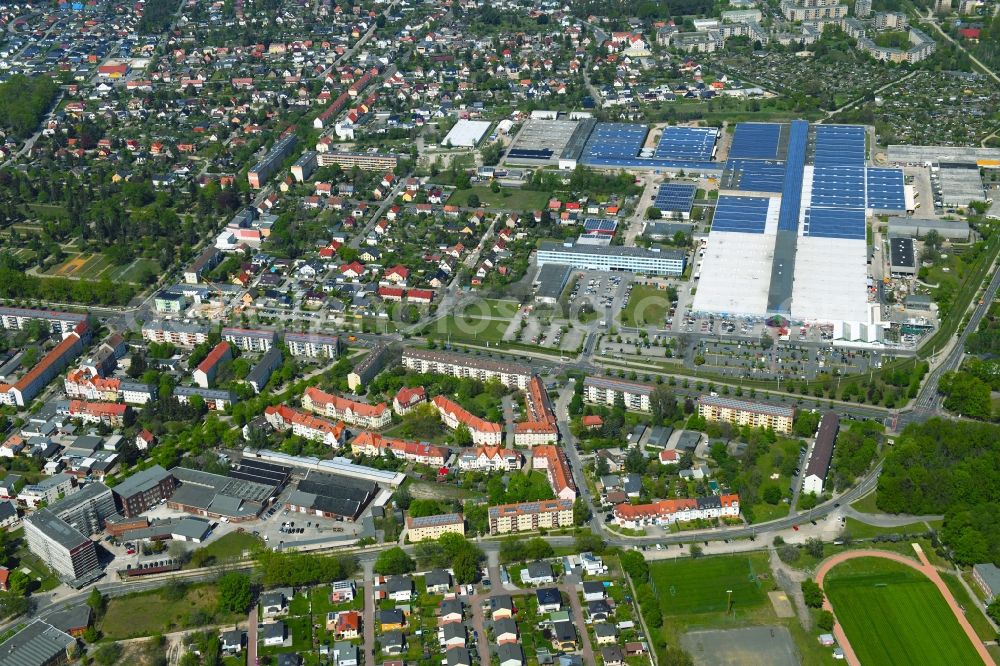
689, 586
895, 615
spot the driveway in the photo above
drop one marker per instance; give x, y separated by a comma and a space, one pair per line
252, 636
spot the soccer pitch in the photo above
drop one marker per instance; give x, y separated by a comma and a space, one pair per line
691, 586
895, 615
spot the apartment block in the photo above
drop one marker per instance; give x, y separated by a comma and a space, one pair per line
605, 391
313, 345
176, 333
350, 411
428, 528
511, 375
745, 413
249, 340
70, 554
530, 516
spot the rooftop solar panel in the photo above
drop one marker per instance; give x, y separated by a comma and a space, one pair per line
835, 223
791, 193
885, 189
838, 187
741, 214
599, 225
757, 175
687, 142
756, 141
839, 145
675, 197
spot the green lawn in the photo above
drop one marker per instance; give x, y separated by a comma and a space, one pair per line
867, 504
132, 272
469, 329
229, 546
689, 586
860, 530
646, 305
507, 197
894, 615
148, 613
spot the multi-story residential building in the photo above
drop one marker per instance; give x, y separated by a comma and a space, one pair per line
249, 340
364, 161
268, 166
821, 455
265, 367
208, 369
304, 166
170, 302
427, 528
921, 48
863, 8
86, 510
135, 393
511, 375
356, 413
530, 516
369, 366
214, 398
891, 21
667, 512
313, 428
605, 391
489, 459
553, 460
176, 333
313, 345
16, 319
370, 443
204, 262
108, 413
540, 426
47, 490
144, 490
406, 399
484, 433
813, 10
82, 383
22, 392
613, 258
70, 554
745, 413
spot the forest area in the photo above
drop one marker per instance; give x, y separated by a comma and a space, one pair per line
24, 101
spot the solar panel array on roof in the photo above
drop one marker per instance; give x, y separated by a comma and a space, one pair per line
528, 154
835, 223
615, 140
756, 175
791, 193
759, 141
741, 214
599, 225
885, 189
687, 143
675, 197
839, 145
838, 187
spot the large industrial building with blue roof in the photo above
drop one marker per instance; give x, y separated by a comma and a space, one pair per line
788, 236
789, 233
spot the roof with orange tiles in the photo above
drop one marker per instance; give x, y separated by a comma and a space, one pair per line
538, 403
557, 465
58, 352
406, 447
84, 376
97, 408
472, 421
667, 508
321, 399
294, 416
409, 396
214, 356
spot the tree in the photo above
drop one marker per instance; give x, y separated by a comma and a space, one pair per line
788, 554
663, 404
393, 561
108, 654
19, 583
473, 201
824, 620
634, 564
653, 213
588, 542
814, 547
96, 602
994, 610
812, 593
235, 594
696, 550
466, 567
772, 494
581, 512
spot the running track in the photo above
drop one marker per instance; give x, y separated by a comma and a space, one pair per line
925, 568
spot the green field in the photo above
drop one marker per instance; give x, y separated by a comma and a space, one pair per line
469, 329
507, 197
148, 613
690, 586
228, 547
895, 615
646, 306
973, 613
860, 530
